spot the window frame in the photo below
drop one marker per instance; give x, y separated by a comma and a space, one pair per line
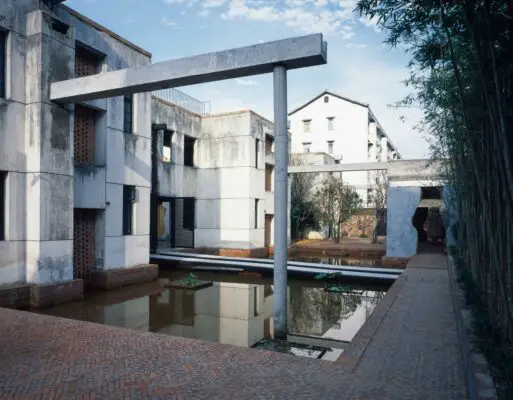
256, 213
128, 209
257, 152
3, 204
4, 35
128, 109
169, 134
306, 147
331, 123
307, 126
330, 146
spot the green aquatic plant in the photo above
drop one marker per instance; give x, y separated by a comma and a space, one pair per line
191, 279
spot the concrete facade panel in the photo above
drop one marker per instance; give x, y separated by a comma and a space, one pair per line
49, 261
126, 251
89, 188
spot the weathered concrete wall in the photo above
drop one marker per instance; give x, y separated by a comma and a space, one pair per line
36, 145
402, 201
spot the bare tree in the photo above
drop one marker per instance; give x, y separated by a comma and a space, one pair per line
302, 205
336, 202
379, 200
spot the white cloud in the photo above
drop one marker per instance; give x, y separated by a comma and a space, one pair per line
213, 3
168, 22
246, 82
204, 13
305, 16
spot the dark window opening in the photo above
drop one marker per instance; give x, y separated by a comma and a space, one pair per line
59, 26
431, 193
326, 99
87, 62
189, 204
128, 209
128, 113
255, 302
188, 151
166, 147
256, 213
269, 142
268, 177
257, 152
3, 53
3, 180
331, 124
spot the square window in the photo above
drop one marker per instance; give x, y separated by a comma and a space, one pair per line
306, 147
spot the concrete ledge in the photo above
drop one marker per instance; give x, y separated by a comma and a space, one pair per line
260, 252
15, 296
394, 262
355, 350
116, 278
52, 294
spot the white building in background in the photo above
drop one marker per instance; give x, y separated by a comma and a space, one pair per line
347, 130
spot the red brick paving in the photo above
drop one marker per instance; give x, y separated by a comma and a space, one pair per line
408, 351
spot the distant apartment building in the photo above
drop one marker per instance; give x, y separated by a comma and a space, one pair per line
345, 129
85, 188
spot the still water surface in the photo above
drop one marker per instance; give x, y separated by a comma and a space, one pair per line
235, 310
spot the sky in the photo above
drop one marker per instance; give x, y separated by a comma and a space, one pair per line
360, 66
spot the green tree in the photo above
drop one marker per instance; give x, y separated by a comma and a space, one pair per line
462, 78
336, 202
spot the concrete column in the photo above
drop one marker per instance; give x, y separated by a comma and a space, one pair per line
281, 140
50, 57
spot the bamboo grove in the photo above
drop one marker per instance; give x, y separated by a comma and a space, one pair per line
461, 63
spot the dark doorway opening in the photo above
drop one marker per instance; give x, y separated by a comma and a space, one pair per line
175, 221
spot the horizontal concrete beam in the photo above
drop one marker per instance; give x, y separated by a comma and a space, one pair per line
370, 166
298, 52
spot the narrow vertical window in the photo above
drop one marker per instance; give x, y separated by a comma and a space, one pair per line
256, 213
331, 123
189, 214
307, 125
188, 151
128, 112
3, 53
128, 209
330, 146
3, 193
257, 152
166, 147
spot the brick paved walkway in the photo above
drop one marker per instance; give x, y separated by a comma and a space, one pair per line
408, 350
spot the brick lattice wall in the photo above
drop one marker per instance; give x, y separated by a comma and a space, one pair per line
84, 259
84, 135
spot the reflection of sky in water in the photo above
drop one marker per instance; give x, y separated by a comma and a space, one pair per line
238, 313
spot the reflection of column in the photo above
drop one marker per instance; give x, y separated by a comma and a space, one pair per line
280, 201
401, 235
132, 314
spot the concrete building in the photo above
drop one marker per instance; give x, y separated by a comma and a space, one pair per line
347, 130
215, 180
76, 180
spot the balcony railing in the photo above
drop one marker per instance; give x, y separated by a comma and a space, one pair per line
184, 100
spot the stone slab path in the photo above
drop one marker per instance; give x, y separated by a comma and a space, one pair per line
407, 350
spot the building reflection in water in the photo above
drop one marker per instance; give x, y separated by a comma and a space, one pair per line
226, 312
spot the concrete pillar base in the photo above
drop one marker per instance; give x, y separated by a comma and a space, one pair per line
52, 294
116, 278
